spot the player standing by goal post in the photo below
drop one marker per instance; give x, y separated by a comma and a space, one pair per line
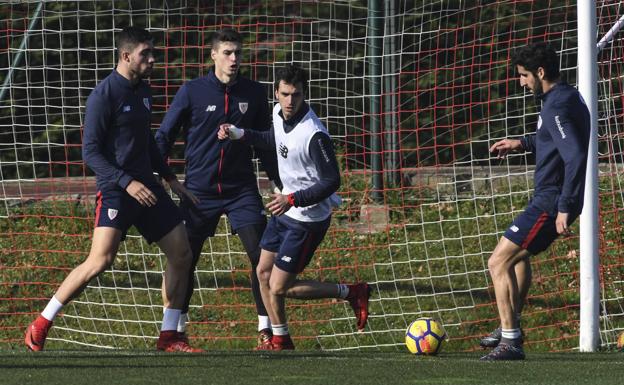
221, 174
120, 148
302, 211
560, 146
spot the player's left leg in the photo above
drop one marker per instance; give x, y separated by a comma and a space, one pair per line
162, 223
250, 238
248, 219
502, 269
178, 252
523, 274
357, 294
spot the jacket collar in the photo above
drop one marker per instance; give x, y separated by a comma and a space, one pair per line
125, 83
212, 78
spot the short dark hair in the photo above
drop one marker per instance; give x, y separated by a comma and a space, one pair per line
538, 55
291, 74
130, 37
223, 35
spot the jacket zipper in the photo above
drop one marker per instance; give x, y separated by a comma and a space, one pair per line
222, 151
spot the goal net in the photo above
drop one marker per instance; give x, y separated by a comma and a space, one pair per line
413, 93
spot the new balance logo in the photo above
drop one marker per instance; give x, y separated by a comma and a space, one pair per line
283, 150
126, 108
286, 259
211, 108
514, 228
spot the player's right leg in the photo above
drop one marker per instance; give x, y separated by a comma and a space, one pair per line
103, 250
274, 283
357, 295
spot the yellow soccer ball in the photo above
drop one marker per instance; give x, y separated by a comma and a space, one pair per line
620, 342
424, 336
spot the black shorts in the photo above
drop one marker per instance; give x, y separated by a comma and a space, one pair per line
534, 230
114, 207
294, 241
243, 210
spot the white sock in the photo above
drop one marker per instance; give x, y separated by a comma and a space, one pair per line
343, 290
264, 322
182, 322
170, 319
52, 309
280, 330
511, 334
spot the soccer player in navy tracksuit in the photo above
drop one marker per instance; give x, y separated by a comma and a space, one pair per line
221, 174
120, 148
302, 211
560, 145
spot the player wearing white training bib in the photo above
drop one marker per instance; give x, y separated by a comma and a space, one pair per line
301, 211
296, 166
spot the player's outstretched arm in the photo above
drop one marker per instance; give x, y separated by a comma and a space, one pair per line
505, 146
260, 139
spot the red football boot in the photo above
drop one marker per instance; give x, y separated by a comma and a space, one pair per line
171, 341
36, 334
358, 299
278, 343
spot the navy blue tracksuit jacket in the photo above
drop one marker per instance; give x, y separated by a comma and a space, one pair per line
118, 144
560, 146
217, 168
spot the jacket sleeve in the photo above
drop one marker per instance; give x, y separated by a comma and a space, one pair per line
97, 122
568, 136
261, 140
324, 158
158, 162
178, 114
268, 157
528, 142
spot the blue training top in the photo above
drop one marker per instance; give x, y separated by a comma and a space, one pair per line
217, 168
560, 146
118, 144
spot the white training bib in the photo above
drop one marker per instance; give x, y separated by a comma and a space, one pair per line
296, 168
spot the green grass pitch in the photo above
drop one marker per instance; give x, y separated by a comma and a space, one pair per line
227, 367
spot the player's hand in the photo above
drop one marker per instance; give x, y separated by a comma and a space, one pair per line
142, 194
224, 131
505, 146
279, 205
562, 224
182, 192
227, 130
